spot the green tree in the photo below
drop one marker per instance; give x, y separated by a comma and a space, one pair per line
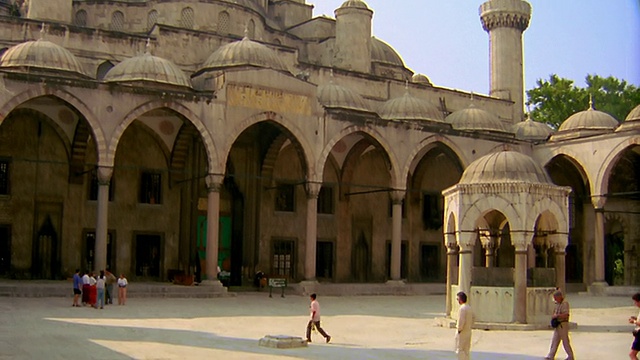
554, 100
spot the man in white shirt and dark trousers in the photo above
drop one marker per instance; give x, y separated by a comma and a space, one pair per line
315, 320
465, 321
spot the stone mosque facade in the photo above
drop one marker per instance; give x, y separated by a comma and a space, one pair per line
158, 137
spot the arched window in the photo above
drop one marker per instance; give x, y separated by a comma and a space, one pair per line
103, 69
251, 29
223, 22
187, 18
117, 21
277, 41
152, 19
80, 18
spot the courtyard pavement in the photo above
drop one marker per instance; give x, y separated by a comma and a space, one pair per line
362, 327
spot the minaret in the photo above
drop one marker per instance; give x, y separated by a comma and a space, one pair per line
505, 21
353, 37
55, 10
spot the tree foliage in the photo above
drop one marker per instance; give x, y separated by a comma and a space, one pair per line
553, 101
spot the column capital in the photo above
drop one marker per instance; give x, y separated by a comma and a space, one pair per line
512, 14
598, 201
521, 239
397, 196
559, 242
104, 173
214, 182
466, 240
313, 189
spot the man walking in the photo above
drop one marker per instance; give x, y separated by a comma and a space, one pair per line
77, 285
465, 321
561, 332
315, 320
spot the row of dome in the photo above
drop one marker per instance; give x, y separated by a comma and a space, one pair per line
47, 56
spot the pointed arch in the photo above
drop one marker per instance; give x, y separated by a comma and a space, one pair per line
601, 181
214, 165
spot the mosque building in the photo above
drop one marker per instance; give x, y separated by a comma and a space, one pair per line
156, 137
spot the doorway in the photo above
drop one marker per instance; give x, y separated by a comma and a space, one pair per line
88, 261
5, 250
430, 262
45, 252
148, 255
324, 260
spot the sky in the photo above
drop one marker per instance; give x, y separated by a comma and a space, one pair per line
444, 39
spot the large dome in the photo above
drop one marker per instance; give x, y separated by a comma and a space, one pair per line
474, 119
245, 52
532, 130
148, 68
589, 119
383, 53
634, 115
354, 3
41, 55
407, 107
504, 167
336, 96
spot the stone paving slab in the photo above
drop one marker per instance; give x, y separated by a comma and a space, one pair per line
362, 327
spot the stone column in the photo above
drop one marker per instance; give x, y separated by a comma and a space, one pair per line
466, 242
520, 241
598, 204
452, 253
214, 185
104, 174
313, 189
506, 21
396, 234
489, 245
560, 254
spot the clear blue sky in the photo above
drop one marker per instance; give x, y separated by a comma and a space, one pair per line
444, 39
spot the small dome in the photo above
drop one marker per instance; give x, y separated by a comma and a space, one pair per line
407, 107
634, 115
474, 119
589, 119
420, 79
42, 55
148, 68
382, 52
354, 4
245, 52
532, 130
336, 96
504, 166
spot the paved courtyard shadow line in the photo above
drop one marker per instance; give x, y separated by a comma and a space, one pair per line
88, 333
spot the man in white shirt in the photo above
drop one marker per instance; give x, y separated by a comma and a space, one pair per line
465, 321
314, 310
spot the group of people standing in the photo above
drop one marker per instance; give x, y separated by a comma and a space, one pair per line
98, 292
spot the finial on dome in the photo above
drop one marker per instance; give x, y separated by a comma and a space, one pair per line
147, 46
43, 31
246, 32
473, 98
591, 102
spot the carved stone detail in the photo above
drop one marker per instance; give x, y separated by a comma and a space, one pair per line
498, 20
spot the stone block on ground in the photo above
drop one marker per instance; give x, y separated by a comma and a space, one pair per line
282, 342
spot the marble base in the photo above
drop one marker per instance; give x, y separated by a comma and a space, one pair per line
282, 342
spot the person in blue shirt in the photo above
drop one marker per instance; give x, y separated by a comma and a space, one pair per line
77, 286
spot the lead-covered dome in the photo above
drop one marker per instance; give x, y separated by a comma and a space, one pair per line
589, 119
420, 79
407, 107
382, 52
245, 52
336, 96
634, 115
41, 55
474, 119
148, 68
504, 167
354, 4
532, 130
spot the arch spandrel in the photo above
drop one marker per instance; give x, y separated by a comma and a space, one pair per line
186, 113
71, 100
552, 208
397, 182
299, 137
601, 184
481, 207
